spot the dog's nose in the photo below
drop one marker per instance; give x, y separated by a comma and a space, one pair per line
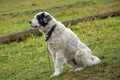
30, 22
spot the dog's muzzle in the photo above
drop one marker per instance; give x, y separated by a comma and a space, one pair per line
30, 22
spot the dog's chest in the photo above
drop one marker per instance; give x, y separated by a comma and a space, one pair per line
55, 45
52, 46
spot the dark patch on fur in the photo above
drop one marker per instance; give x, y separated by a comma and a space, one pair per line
43, 19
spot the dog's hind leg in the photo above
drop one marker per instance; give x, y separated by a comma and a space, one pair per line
85, 57
73, 64
82, 59
75, 68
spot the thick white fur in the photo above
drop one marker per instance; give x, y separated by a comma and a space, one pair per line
65, 46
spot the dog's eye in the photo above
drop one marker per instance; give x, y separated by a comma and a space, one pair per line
37, 17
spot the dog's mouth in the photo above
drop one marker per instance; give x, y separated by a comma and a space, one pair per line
30, 22
33, 26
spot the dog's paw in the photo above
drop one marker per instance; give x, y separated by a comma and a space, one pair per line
79, 69
55, 74
71, 70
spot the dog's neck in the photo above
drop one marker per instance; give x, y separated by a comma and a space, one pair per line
49, 33
50, 24
49, 28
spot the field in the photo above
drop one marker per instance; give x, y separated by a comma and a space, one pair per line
28, 60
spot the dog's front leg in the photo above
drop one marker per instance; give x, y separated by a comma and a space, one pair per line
58, 62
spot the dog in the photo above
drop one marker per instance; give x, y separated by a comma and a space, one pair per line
63, 44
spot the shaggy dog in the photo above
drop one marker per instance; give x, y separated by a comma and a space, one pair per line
63, 44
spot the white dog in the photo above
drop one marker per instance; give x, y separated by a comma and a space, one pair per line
63, 44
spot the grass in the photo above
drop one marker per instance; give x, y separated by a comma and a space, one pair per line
18, 20
28, 60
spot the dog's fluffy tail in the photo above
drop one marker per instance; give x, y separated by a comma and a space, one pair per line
95, 60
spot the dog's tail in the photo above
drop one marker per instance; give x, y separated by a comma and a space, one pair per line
95, 60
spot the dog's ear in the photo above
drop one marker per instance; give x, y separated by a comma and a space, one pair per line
43, 19
47, 18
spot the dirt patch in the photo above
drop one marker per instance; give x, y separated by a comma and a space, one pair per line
24, 34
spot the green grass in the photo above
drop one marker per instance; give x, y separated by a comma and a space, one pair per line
17, 21
28, 60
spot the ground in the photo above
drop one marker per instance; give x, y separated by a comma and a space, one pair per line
28, 60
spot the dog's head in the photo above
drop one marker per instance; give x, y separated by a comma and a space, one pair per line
42, 20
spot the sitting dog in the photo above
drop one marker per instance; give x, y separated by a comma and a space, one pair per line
63, 44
